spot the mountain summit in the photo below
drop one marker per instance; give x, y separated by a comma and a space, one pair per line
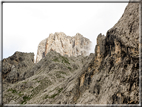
65, 45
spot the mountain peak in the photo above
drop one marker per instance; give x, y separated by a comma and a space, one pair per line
65, 45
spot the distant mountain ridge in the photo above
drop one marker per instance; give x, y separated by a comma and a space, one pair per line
65, 45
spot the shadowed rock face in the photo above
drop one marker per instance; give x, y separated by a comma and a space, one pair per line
126, 30
65, 45
110, 76
15, 67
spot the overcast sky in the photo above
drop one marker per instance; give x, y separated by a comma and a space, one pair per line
26, 24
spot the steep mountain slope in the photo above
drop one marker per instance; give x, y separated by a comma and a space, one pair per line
65, 45
110, 76
47, 76
115, 79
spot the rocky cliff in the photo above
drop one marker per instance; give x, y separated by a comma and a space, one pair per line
110, 76
113, 76
65, 45
16, 66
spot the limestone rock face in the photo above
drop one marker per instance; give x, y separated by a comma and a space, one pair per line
65, 45
41, 50
112, 77
126, 30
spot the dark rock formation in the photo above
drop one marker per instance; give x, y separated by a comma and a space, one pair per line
15, 67
126, 31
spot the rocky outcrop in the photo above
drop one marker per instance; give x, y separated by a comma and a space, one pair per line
126, 31
15, 67
65, 45
41, 50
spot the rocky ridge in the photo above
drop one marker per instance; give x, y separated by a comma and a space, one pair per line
110, 76
52, 71
65, 45
15, 67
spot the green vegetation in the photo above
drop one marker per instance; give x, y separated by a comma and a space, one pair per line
25, 82
44, 83
25, 99
20, 94
54, 95
60, 90
35, 79
38, 81
65, 60
69, 68
13, 91
31, 86
56, 60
